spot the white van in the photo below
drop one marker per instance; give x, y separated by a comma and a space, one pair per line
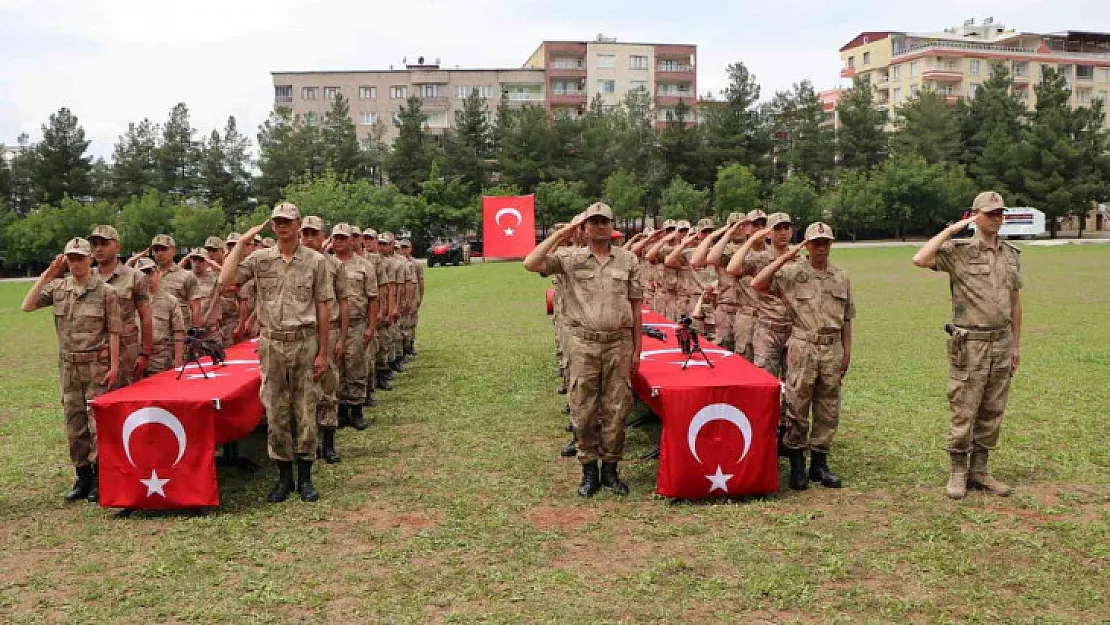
1021, 222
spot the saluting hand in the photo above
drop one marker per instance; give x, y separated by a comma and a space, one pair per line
57, 267
764, 233
249, 234
794, 251
959, 226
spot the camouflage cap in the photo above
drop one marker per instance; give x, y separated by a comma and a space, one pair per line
369, 233
404, 243
682, 224
559, 226
78, 246
258, 240
268, 242
734, 218
756, 214
775, 219
163, 239
312, 222
215, 243
818, 230
598, 209
988, 202
385, 237
668, 223
286, 210
706, 224
145, 264
233, 238
340, 229
197, 252
355, 231
104, 232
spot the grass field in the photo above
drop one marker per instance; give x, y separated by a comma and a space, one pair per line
455, 507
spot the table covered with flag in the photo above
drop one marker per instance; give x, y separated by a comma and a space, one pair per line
719, 422
157, 438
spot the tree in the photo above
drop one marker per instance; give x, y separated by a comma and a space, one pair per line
193, 222
224, 168
861, 139
595, 147
411, 159
928, 126
855, 206
377, 150
624, 195
23, 166
143, 217
681, 200
994, 110
530, 149
177, 156
682, 152
340, 141
736, 190
559, 201
796, 197
470, 148
135, 161
61, 167
919, 196
802, 143
734, 130
281, 156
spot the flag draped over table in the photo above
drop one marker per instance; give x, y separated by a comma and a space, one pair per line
508, 226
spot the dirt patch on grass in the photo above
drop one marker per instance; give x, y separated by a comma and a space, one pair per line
380, 517
551, 518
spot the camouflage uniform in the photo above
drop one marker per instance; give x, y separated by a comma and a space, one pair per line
206, 293
84, 318
168, 321
287, 297
327, 410
728, 302
184, 287
407, 321
669, 280
130, 285
362, 285
772, 325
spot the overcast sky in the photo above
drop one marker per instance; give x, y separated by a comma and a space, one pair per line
115, 61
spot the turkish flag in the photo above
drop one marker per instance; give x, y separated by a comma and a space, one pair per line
719, 422
508, 226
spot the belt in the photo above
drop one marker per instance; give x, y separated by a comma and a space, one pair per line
602, 337
984, 335
291, 335
727, 307
777, 326
84, 357
821, 337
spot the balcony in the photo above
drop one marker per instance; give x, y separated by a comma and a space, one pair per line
1020, 78
568, 97
284, 100
437, 103
995, 50
848, 72
881, 82
524, 99
943, 74
430, 78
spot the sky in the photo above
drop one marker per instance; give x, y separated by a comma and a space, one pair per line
117, 61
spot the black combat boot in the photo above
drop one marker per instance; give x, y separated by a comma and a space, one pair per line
411, 349
358, 421
569, 450
566, 409
383, 382
304, 481
327, 435
610, 478
82, 486
370, 401
397, 365
344, 411
562, 390
284, 484
591, 481
819, 470
94, 485
783, 452
798, 479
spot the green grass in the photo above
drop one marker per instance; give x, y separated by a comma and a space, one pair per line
454, 506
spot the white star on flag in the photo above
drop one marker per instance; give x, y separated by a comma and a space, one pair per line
509, 232
719, 480
155, 485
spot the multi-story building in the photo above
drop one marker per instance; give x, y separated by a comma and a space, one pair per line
829, 99
957, 61
561, 76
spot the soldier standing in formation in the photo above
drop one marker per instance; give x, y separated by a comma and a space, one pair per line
602, 293
87, 321
390, 334
668, 277
818, 296
984, 351
168, 323
208, 293
714, 252
293, 294
134, 299
413, 315
229, 297
362, 304
176, 281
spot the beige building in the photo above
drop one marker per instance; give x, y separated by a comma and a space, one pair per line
957, 61
561, 76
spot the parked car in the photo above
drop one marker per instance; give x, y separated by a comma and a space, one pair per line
445, 252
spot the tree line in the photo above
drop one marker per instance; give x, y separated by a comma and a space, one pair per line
865, 178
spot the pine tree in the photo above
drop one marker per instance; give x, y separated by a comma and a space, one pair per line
411, 159
340, 141
61, 166
135, 161
734, 130
178, 155
861, 139
928, 126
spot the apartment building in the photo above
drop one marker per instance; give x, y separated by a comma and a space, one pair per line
829, 99
957, 61
561, 76
578, 71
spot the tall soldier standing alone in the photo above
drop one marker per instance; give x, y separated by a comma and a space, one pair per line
985, 348
602, 291
293, 295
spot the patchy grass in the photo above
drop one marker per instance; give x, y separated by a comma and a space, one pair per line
455, 507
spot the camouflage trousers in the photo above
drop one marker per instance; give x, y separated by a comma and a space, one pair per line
979, 371
813, 384
353, 370
227, 329
128, 354
743, 329
724, 315
382, 347
769, 347
600, 391
161, 359
668, 303
684, 305
80, 383
327, 408
289, 394
408, 326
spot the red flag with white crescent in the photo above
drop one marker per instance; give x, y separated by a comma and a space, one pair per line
508, 226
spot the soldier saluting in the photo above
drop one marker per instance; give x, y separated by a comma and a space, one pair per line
985, 349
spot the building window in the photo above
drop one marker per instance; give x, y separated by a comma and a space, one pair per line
565, 62
566, 88
637, 62
431, 91
914, 90
366, 118
437, 119
1021, 69
367, 93
310, 93
972, 89
310, 118
398, 93
607, 86
896, 72
283, 94
606, 60
913, 69
897, 95
1082, 97
974, 67
866, 59
330, 93
851, 62
1104, 74
1101, 96
639, 84
1065, 70
1084, 72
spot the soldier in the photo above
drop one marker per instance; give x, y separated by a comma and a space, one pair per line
327, 410
356, 242
985, 349
387, 293
176, 281
601, 300
246, 325
413, 315
229, 298
87, 321
390, 336
649, 270
134, 297
743, 270
362, 302
714, 252
293, 295
819, 298
668, 276
207, 289
168, 324
689, 285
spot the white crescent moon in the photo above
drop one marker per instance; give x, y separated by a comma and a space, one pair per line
719, 412
508, 211
150, 414
647, 354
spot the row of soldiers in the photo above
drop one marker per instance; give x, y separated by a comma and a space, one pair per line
117, 322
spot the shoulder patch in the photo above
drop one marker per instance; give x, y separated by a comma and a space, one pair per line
1014, 248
